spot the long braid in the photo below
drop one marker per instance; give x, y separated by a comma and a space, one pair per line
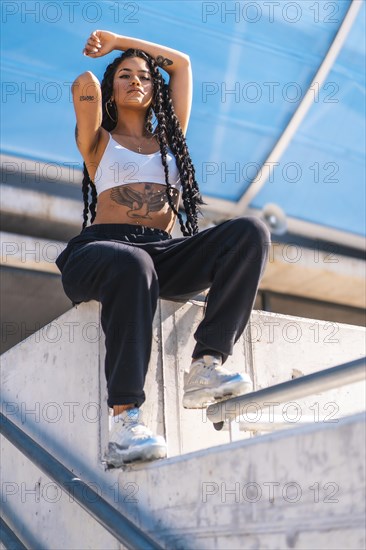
163, 143
169, 129
149, 117
169, 134
192, 196
85, 191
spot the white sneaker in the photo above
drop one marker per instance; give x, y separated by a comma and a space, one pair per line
131, 441
208, 382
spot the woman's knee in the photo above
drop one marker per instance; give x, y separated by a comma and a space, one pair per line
130, 262
139, 265
254, 228
253, 234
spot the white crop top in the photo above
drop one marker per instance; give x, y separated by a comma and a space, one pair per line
121, 166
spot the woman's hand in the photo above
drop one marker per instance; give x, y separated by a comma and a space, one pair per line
100, 43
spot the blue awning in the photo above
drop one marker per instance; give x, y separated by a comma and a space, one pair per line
252, 64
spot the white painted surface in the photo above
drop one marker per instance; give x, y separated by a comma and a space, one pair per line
33, 204
25, 252
311, 273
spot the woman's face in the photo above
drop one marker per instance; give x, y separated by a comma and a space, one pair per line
133, 84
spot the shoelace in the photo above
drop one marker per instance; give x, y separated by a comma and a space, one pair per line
129, 425
136, 429
215, 363
210, 367
219, 369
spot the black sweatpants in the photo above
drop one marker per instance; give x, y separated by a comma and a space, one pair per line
127, 267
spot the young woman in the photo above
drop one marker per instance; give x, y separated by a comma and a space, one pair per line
138, 170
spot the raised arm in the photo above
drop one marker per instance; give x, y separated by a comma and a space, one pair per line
87, 99
175, 63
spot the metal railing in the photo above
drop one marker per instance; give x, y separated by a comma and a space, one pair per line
113, 521
304, 386
8, 539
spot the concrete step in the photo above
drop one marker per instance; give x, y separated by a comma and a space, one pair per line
300, 488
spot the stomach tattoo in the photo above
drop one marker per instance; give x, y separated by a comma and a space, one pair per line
142, 204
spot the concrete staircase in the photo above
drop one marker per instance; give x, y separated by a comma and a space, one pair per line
298, 487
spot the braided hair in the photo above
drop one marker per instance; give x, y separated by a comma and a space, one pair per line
169, 134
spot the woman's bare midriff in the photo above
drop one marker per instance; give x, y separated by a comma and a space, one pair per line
138, 204
135, 203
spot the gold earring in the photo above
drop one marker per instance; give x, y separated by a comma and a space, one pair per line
106, 108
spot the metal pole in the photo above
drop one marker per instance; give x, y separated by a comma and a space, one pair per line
8, 539
288, 391
118, 525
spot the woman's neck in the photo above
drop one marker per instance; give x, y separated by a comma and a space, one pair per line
132, 125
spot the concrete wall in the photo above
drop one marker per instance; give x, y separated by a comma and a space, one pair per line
50, 387
284, 347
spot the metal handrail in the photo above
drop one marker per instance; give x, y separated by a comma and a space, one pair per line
323, 380
113, 521
9, 539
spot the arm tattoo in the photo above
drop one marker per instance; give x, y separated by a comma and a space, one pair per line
163, 61
140, 204
76, 132
87, 98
